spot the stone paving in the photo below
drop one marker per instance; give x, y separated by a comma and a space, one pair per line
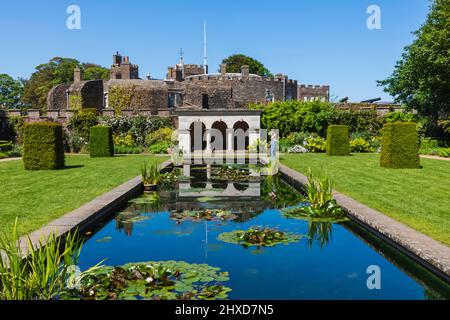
431, 253
434, 157
9, 159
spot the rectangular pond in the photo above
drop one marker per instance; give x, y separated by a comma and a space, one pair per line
187, 220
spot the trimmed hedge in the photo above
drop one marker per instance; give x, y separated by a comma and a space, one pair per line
43, 147
338, 141
101, 142
400, 146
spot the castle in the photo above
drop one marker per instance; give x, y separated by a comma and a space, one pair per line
186, 86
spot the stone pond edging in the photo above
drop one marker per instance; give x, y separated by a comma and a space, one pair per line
432, 254
89, 214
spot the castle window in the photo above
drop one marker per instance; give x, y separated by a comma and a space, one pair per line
205, 101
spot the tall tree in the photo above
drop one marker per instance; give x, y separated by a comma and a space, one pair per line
57, 71
421, 79
10, 92
236, 61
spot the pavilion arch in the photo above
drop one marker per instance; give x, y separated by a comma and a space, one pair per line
199, 146
222, 127
245, 120
241, 127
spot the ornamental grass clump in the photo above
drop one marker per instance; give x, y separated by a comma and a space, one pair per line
320, 202
150, 173
39, 273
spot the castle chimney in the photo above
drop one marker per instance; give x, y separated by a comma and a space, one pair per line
245, 70
77, 75
117, 59
223, 69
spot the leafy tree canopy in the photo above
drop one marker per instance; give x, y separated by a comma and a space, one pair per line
10, 92
421, 79
57, 71
235, 62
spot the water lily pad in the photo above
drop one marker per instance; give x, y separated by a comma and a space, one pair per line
203, 215
152, 280
260, 237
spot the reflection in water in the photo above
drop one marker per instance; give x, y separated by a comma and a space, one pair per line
319, 232
313, 268
279, 193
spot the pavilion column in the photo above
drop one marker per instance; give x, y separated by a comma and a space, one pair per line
208, 171
230, 139
184, 140
253, 137
208, 140
187, 170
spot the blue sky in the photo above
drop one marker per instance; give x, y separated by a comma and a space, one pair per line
313, 41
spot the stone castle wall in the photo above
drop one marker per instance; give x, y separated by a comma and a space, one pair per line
310, 93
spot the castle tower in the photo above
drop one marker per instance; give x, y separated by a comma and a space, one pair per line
123, 69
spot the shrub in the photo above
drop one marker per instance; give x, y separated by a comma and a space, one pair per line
15, 126
75, 143
428, 143
160, 135
284, 144
81, 122
124, 140
290, 116
399, 116
43, 146
444, 152
3, 155
6, 146
338, 141
360, 145
315, 117
315, 144
400, 147
101, 142
139, 127
297, 138
159, 147
366, 122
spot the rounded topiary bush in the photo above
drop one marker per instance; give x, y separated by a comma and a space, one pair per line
400, 146
101, 142
338, 141
43, 147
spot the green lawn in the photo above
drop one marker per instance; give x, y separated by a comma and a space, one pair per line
38, 197
419, 198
